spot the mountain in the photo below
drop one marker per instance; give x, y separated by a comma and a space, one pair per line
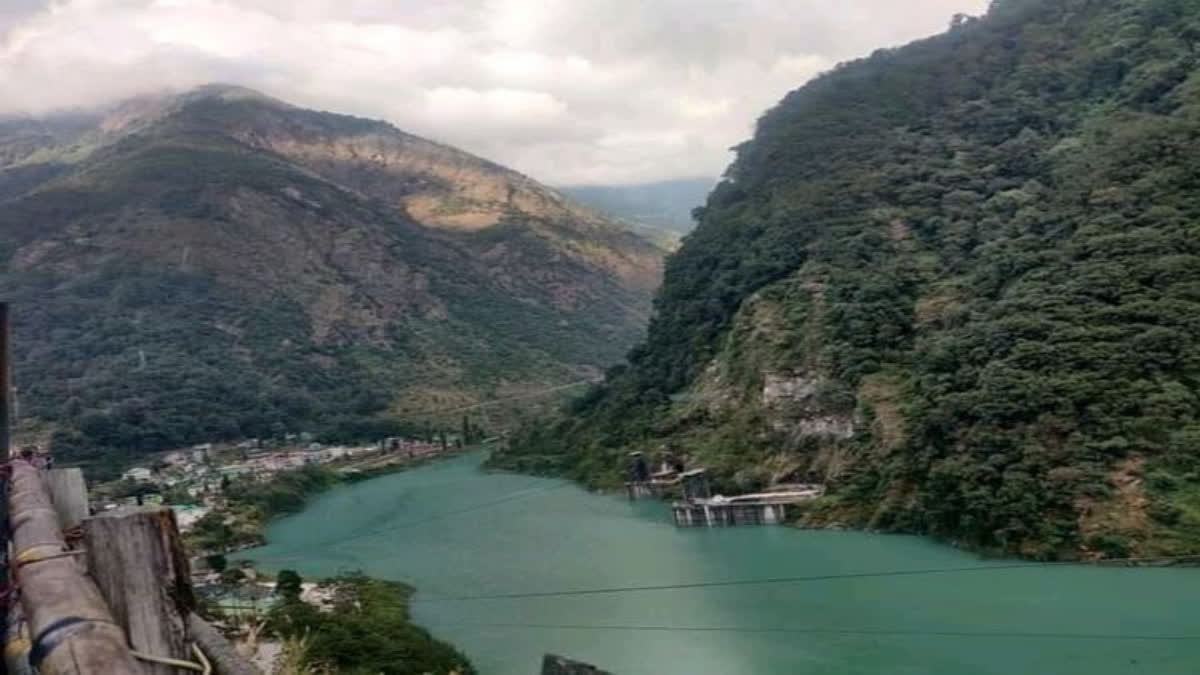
958, 282
219, 264
665, 205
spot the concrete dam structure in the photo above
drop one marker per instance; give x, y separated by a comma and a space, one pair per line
700, 508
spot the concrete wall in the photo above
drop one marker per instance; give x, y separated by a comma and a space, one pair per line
688, 514
640, 490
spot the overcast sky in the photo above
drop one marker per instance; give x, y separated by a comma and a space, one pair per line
568, 91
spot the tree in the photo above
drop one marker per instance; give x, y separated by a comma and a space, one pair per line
217, 562
132, 488
176, 494
288, 584
369, 631
468, 434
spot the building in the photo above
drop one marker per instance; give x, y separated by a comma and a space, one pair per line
140, 474
200, 452
234, 470
186, 515
175, 457
769, 507
331, 454
695, 484
666, 481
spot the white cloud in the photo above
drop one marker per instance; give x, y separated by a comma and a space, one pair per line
512, 114
566, 90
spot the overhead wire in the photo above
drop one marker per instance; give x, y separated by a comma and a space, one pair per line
530, 491
813, 630
802, 630
716, 584
785, 580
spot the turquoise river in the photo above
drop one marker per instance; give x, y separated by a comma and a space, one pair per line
841, 603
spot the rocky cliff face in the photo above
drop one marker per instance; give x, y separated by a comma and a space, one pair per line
221, 264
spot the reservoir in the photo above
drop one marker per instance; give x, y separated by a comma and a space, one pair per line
820, 603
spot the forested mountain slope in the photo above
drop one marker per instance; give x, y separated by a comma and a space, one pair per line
959, 282
219, 265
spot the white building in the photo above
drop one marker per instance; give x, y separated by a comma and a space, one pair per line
175, 457
187, 515
138, 473
200, 452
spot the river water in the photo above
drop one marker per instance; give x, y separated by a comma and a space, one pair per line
455, 532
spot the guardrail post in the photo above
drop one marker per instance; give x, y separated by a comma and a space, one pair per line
139, 563
72, 632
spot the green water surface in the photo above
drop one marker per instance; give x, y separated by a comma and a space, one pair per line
454, 532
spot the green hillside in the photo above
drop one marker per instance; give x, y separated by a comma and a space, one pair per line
958, 282
219, 265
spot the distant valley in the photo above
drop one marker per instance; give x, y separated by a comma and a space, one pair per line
660, 210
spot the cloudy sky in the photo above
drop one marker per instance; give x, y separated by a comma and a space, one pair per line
568, 91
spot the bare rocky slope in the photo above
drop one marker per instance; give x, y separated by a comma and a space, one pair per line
219, 264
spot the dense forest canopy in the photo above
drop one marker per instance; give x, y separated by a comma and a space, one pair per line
957, 281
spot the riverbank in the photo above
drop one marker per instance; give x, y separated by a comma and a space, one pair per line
347, 622
508, 567
834, 512
361, 625
248, 506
